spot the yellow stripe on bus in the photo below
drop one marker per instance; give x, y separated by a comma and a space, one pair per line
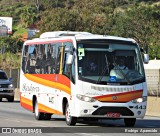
27, 101
49, 83
47, 109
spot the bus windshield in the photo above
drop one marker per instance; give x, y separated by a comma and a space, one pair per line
109, 61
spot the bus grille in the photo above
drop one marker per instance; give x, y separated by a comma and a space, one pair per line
122, 110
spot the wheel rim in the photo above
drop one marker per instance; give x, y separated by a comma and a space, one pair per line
36, 110
67, 114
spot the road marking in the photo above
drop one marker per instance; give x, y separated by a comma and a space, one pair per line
85, 134
12, 120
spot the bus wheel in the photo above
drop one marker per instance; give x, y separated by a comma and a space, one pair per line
129, 122
38, 115
71, 121
47, 116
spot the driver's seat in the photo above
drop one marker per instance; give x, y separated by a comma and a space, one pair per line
118, 73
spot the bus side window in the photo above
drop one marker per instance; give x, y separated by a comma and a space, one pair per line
25, 59
58, 61
53, 59
31, 65
69, 70
73, 71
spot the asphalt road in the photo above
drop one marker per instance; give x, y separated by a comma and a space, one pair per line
12, 115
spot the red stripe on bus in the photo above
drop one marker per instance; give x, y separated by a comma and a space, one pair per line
46, 42
118, 94
27, 106
120, 97
52, 77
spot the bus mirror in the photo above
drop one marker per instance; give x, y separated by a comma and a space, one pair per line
146, 58
70, 59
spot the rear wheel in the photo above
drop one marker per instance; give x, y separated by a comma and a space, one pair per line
0, 99
47, 116
38, 115
129, 122
71, 121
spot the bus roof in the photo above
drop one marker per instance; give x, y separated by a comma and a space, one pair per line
81, 35
50, 36
62, 33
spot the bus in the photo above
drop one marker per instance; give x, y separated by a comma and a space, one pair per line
73, 74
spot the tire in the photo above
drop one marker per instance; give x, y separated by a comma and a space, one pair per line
0, 99
10, 99
71, 121
38, 115
47, 116
130, 122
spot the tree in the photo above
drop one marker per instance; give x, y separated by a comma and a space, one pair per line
28, 16
138, 23
11, 44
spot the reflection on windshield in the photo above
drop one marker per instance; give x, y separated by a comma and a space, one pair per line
108, 62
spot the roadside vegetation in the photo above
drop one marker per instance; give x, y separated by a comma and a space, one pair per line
138, 19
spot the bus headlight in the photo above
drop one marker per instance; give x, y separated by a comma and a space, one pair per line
85, 98
139, 100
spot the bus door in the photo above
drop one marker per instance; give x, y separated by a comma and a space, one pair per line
58, 75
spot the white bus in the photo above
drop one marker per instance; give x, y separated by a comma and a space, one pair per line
74, 74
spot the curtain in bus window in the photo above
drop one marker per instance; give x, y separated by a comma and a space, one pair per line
52, 58
31, 63
50, 61
25, 58
31, 49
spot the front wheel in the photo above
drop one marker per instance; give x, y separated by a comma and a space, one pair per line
71, 121
129, 122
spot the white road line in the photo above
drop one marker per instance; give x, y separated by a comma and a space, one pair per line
12, 120
85, 134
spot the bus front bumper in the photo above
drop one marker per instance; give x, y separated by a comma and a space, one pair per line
110, 110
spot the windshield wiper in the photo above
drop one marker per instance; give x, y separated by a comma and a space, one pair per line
124, 75
104, 70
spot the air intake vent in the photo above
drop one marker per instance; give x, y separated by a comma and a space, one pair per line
62, 33
113, 89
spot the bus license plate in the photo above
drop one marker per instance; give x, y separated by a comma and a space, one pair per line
113, 115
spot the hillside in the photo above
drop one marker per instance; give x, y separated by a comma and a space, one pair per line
138, 19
